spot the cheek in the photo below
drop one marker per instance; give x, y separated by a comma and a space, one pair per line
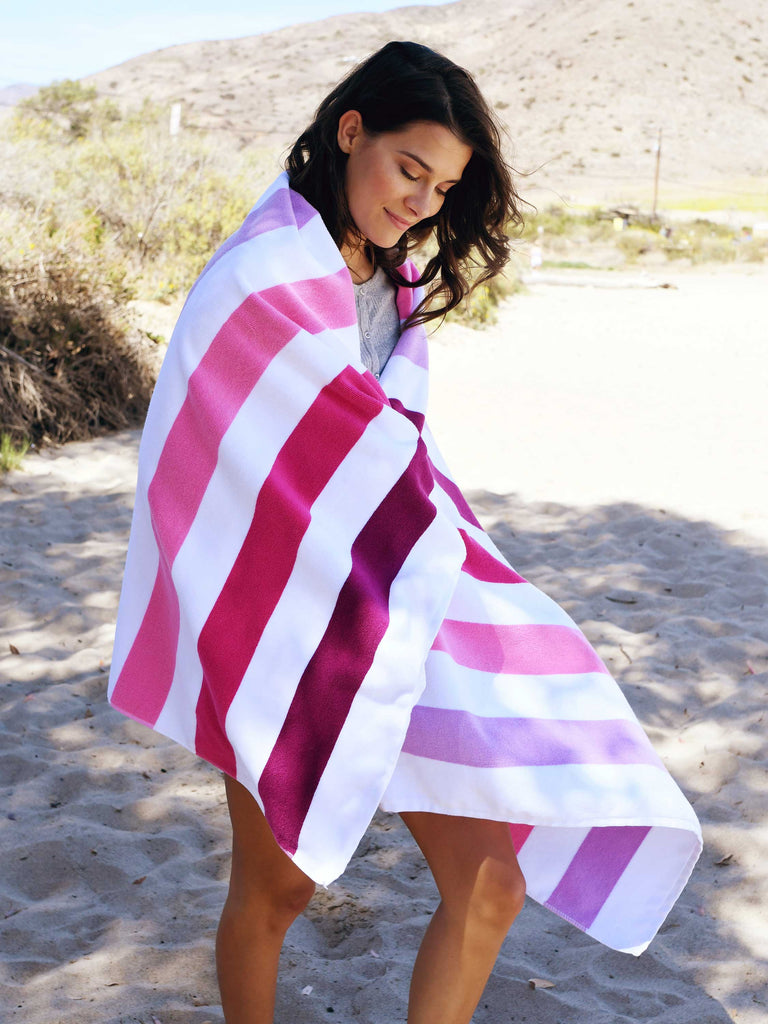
380, 185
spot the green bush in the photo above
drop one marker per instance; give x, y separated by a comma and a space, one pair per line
118, 188
11, 454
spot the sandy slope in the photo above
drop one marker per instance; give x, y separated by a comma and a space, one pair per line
582, 415
583, 86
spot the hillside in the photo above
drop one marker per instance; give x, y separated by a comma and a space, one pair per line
583, 85
11, 94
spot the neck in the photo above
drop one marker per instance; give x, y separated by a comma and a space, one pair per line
359, 262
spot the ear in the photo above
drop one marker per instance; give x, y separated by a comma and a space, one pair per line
350, 129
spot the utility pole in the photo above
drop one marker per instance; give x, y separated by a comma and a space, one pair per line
657, 150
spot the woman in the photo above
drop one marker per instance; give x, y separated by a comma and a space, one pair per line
310, 604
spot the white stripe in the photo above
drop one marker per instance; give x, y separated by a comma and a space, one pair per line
434, 452
582, 697
322, 566
178, 717
220, 526
379, 715
567, 796
265, 421
407, 382
513, 604
264, 261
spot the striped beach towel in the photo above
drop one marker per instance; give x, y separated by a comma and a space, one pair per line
310, 605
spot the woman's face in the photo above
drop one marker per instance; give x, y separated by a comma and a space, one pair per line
396, 179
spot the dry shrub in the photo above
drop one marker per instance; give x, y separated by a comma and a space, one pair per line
71, 364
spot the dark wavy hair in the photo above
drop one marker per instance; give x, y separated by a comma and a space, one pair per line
401, 83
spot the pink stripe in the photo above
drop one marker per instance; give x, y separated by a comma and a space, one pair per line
599, 863
482, 565
519, 834
518, 650
330, 428
338, 668
459, 737
456, 496
220, 383
152, 657
222, 380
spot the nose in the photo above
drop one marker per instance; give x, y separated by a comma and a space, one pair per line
419, 202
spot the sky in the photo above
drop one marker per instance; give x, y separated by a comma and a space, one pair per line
45, 40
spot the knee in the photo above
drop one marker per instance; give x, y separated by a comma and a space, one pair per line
274, 906
498, 895
289, 900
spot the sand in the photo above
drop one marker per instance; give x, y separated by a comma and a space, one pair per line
612, 435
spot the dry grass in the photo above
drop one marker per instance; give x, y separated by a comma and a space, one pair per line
71, 365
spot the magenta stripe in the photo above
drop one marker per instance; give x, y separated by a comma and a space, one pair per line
518, 650
456, 496
416, 418
599, 863
282, 209
459, 737
519, 834
330, 428
152, 656
338, 668
482, 565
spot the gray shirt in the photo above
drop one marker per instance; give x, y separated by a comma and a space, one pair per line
377, 319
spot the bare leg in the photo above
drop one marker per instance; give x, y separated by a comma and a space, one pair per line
266, 894
481, 891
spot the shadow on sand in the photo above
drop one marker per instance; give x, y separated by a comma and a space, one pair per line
115, 843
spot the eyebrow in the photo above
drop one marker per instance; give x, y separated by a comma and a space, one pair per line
427, 168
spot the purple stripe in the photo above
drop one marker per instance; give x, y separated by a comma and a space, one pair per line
413, 341
459, 737
599, 863
456, 496
339, 665
525, 649
329, 429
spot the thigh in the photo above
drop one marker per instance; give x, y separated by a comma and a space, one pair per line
459, 850
258, 863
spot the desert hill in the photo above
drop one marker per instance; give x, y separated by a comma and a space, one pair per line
582, 85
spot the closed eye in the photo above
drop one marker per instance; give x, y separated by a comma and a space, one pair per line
414, 177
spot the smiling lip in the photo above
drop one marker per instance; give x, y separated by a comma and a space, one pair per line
397, 221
